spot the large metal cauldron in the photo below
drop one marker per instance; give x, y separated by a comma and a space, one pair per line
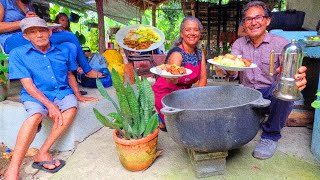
213, 118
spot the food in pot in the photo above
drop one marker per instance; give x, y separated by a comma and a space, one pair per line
231, 60
141, 37
172, 69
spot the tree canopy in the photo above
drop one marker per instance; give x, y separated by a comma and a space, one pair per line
168, 20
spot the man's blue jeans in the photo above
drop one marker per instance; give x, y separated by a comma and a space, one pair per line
278, 111
68, 38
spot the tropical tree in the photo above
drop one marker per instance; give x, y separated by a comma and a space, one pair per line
168, 21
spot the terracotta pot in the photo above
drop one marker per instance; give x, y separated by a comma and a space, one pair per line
137, 154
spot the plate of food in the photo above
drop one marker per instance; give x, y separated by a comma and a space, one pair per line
140, 38
170, 71
230, 62
313, 40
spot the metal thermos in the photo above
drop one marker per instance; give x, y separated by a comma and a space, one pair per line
286, 88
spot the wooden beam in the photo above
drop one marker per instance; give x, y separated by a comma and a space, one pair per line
192, 9
154, 23
156, 4
102, 44
150, 2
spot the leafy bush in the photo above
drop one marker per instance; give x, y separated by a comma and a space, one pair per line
3, 67
135, 117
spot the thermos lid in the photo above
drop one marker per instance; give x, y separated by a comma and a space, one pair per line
292, 47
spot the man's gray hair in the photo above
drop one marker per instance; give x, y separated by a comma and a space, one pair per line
182, 26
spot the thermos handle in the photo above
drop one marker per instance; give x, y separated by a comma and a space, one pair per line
271, 68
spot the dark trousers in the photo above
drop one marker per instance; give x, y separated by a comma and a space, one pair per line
278, 111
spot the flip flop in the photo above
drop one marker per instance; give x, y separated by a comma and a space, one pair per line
164, 129
162, 124
39, 165
83, 93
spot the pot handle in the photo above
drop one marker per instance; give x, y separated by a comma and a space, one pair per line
170, 111
261, 103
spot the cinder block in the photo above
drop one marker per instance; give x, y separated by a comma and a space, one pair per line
208, 164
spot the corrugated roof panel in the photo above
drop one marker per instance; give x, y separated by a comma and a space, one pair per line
118, 10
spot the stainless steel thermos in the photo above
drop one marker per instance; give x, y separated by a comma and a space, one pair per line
291, 61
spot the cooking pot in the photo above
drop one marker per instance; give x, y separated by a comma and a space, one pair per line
213, 118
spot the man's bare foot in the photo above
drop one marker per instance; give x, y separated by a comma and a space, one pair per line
93, 74
40, 157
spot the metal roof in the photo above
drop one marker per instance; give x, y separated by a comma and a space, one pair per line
119, 10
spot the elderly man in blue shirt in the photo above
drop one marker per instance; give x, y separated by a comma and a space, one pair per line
48, 89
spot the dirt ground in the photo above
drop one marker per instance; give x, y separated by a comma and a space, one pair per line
26, 171
5, 160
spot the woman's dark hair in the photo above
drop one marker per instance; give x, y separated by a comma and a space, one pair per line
61, 15
25, 1
256, 4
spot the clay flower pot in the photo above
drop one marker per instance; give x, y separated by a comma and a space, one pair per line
137, 154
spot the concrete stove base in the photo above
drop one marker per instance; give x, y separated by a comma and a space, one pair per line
208, 164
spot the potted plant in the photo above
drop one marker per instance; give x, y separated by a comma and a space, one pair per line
135, 122
3, 78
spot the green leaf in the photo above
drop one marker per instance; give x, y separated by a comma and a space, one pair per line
104, 120
104, 94
148, 92
318, 93
117, 119
3, 78
3, 66
316, 104
152, 125
143, 123
134, 106
3, 57
138, 84
125, 108
4, 69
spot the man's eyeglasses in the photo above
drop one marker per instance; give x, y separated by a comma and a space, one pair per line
249, 20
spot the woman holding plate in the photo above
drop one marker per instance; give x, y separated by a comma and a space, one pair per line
185, 53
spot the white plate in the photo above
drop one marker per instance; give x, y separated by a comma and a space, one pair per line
123, 31
157, 71
53, 25
231, 68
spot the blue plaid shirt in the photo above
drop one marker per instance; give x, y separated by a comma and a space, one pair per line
49, 71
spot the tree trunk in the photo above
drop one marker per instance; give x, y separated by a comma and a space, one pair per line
102, 44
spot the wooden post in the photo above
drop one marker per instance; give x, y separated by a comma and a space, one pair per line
193, 13
154, 23
102, 44
192, 10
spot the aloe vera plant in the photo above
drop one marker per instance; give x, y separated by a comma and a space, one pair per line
135, 116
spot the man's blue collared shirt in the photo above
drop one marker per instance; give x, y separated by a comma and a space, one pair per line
49, 71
